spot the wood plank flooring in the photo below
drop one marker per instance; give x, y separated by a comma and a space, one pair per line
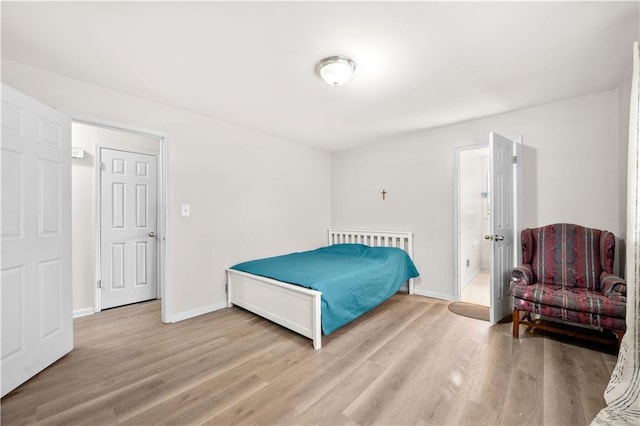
409, 362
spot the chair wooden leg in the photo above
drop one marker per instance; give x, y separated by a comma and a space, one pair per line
516, 323
619, 335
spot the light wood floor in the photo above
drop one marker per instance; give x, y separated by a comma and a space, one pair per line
410, 361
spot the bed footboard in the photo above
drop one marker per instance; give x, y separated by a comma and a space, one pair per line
294, 307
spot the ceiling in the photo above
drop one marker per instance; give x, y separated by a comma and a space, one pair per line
419, 64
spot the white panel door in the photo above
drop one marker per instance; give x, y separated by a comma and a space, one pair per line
502, 201
35, 233
128, 245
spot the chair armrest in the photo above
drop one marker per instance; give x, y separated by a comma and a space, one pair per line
612, 285
522, 274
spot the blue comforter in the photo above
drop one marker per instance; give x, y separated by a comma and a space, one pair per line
353, 278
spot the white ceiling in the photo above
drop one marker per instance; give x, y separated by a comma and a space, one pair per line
419, 64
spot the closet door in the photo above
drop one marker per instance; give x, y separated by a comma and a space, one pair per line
128, 243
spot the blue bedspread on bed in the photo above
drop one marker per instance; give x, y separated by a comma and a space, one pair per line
353, 278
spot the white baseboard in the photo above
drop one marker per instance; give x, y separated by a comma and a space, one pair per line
435, 295
83, 312
196, 312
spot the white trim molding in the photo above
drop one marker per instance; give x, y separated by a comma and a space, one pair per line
196, 312
435, 295
83, 312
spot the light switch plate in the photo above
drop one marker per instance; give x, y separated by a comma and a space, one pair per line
185, 210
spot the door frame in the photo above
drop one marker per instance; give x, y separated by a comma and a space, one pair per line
517, 220
163, 282
457, 293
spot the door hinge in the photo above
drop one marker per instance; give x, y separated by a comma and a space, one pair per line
102, 166
515, 159
99, 283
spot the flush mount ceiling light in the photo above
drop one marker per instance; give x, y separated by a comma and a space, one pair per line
335, 70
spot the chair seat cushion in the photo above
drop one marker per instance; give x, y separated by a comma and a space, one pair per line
587, 318
573, 299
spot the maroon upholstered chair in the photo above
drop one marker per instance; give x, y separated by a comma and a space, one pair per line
567, 274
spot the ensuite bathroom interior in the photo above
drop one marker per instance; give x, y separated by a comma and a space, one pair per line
474, 200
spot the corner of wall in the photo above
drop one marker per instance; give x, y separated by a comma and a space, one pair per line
624, 98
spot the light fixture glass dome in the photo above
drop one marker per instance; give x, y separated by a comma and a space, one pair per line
336, 70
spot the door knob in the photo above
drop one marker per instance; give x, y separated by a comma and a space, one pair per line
498, 237
152, 234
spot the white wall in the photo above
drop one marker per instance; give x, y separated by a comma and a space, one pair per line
251, 194
624, 100
570, 172
83, 195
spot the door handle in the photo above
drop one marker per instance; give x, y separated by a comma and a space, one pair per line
498, 237
152, 234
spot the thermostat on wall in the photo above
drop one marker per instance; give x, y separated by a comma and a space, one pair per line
77, 152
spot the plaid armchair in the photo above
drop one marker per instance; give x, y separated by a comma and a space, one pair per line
567, 274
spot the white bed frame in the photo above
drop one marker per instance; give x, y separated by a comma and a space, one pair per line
296, 307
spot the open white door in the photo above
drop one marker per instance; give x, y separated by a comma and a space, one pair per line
502, 226
35, 232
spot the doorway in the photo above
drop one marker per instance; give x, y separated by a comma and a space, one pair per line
494, 199
89, 140
474, 215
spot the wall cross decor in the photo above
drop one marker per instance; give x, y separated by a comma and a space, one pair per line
384, 194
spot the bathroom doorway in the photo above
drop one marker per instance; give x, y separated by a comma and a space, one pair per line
473, 224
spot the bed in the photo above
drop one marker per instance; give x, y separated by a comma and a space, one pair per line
299, 307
